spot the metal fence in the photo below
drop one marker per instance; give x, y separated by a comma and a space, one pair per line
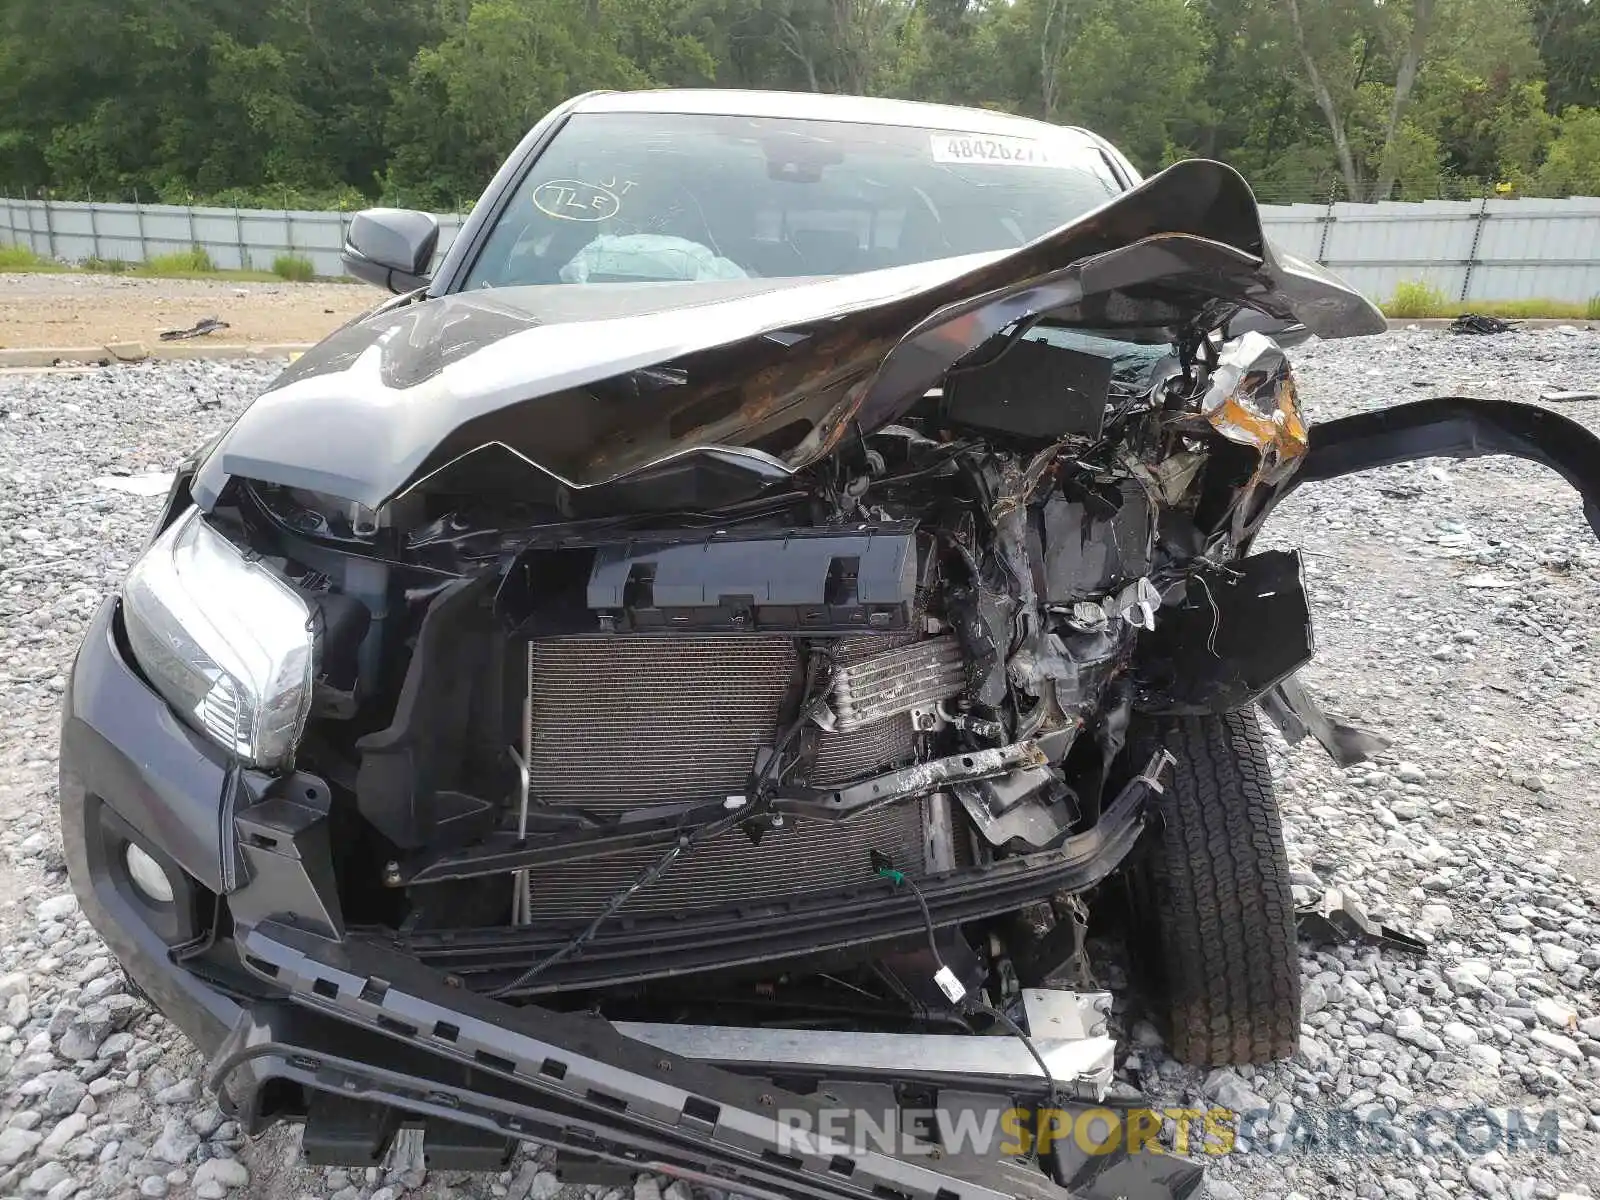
247, 239
1468, 249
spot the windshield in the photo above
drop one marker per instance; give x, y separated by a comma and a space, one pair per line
658, 197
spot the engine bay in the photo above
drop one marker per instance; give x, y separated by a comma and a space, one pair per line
568, 757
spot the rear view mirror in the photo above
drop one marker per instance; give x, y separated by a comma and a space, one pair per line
391, 247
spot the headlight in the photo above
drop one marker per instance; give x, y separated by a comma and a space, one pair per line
227, 642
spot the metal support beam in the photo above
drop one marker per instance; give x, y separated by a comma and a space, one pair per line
1083, 1064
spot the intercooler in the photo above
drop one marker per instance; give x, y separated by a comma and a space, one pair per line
624, 722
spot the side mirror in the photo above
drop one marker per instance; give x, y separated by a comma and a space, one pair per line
391, 247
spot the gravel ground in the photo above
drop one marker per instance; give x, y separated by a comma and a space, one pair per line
70, 310
1454, 608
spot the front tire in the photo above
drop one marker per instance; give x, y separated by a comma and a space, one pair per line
1216, 890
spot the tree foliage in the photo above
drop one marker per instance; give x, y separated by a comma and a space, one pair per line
419, 100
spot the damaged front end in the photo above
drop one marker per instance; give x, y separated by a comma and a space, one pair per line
728, 724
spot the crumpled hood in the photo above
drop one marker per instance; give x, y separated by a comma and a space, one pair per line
586, 384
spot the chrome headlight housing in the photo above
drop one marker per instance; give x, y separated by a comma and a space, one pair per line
227, 642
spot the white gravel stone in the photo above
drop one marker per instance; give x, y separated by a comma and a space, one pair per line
45, 1177
1564, 1046
1458, 1033
1485, 1056
1425, 1038
1438, 916
55, 908
185, 1091
1557, 958
1556, 1013
228, 1172
176, 1143
65, 1130
65, 1094
16, 1145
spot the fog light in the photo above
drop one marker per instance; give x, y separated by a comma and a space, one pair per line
148, 875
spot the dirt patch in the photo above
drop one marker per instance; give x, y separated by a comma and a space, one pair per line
90, 310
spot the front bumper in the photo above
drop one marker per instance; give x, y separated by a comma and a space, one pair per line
131, 771
373, 1028
357, 1039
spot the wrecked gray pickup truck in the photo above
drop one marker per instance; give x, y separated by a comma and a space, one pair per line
698, 664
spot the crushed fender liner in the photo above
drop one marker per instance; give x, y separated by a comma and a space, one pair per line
1454, 427
569, 1081
1236, 632
649, 948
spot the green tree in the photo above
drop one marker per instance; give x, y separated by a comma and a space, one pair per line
1572, 168
271, 99
1157, 42
1567, 37
1073, 62
1361, 62
505, 63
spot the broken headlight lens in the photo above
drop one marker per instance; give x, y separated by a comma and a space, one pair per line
229, 644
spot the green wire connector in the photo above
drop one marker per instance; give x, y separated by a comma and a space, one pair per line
883, 866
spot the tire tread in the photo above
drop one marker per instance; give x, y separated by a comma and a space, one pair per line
1223, 900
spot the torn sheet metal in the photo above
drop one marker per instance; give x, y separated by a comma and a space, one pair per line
1032, 806
1169, 480
1251, 400
1296, 714
1337, 917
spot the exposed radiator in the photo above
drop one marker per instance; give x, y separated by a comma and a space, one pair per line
620, 722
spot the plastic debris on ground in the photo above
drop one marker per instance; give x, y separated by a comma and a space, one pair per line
200, 328
1336, 917
1477, 323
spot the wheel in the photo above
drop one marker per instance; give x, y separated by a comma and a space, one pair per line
1215, 887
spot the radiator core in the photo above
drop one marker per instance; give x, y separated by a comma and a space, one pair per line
624, 722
